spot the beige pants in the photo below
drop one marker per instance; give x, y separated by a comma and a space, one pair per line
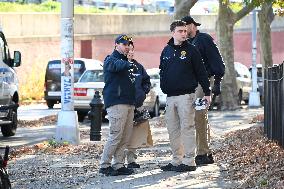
120, 129
201, 125
131, 155
180, 124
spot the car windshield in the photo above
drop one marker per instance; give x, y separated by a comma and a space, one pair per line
92, 76
54, 70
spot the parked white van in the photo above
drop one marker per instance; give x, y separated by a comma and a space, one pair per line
9, 93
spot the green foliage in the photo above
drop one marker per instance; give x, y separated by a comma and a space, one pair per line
236, 6
52, 143
49, 6
279, 7
263, 182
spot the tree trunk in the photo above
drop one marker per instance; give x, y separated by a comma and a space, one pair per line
265, 17
182, 8
225, 26
229, 95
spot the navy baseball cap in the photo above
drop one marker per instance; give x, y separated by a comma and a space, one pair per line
123, 39
190, 20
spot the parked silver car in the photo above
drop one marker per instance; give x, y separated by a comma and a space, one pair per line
155, 99
84, 90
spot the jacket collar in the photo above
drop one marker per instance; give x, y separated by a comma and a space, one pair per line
197, 32
171, 43
118, 55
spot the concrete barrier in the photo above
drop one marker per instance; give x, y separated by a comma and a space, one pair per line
46, 26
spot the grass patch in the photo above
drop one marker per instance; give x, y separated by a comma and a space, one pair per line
31, 85
51, 6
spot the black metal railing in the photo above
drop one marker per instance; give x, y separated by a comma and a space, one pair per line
274, 104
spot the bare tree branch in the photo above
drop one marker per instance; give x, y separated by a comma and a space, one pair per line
183, 7
244, 11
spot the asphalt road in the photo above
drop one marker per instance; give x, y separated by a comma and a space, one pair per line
33, 135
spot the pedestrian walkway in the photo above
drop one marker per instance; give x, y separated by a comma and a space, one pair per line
150, 176
77, 166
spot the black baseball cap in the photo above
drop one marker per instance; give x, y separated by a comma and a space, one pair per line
190, 20
123, 39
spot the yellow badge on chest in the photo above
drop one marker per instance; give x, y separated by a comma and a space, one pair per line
182, 55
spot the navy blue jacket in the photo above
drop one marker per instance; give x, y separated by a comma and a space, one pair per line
210, 54
119, 80
181, 68
142, 84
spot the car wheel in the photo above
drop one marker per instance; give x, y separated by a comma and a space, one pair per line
50, 104
10, 129
156, 110
240, 97
81, 116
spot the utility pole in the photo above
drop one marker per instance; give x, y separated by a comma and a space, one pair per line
67, 129
254, 99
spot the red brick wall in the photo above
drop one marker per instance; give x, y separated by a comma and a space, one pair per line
148, 49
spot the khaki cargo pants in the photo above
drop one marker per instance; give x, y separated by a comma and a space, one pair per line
201, 125
180, 124
120, 130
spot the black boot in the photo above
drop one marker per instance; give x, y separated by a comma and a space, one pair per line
202, 160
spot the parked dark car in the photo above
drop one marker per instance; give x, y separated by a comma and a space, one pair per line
52, 85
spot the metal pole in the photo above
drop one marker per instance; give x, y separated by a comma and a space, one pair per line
67, 129
254, 99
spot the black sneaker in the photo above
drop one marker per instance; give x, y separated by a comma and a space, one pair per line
124, 171
202, 160
185, 168
133, 165
109, 171
210, 157
169, 167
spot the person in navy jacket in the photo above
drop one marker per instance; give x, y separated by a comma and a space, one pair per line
119, 100
215, 68
142, 88
181, 69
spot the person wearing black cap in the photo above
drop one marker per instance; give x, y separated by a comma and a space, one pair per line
181, 69
119, 101
215, 67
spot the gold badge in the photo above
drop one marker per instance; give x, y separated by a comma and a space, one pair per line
182, 55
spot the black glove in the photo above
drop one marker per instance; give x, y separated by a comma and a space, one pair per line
216, 90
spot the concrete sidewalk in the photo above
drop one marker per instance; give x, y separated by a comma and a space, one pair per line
77, 166
150, 176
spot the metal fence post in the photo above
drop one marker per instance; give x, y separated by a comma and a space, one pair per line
266, 104
282, 105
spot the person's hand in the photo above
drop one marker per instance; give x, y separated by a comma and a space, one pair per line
216, 90
130, 55
208, 99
